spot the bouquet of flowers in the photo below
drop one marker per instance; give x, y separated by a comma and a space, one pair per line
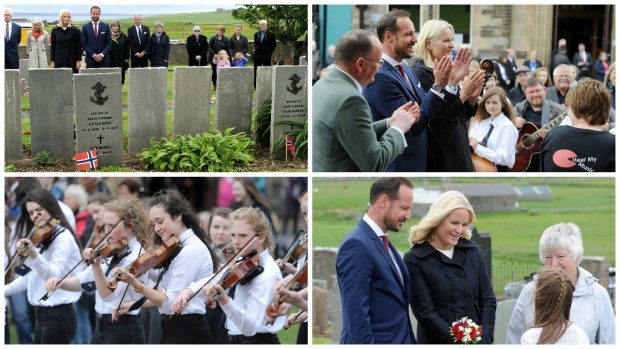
465, 331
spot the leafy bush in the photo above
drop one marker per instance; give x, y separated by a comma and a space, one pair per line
115, 169
10, 168
207, 152
43, 158
299, 135
262, 123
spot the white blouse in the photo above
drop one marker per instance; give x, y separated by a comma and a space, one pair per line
500, 148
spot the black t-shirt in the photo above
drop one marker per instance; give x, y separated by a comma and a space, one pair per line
571, 149
561, 97
532, 116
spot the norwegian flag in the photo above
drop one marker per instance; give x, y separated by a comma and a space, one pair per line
87, 160
290, 147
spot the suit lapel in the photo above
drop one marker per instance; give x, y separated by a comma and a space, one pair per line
417, 89
410, 87
386, 256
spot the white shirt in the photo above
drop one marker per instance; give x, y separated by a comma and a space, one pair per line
375, 228
69, 215
448, 253
62, 255
573, 335
109, 304
246, 312
500, 148
191, 264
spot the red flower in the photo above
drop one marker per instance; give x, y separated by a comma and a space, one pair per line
473, 334
455, 328
459, 335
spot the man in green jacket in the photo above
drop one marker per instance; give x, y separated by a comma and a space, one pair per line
344, 136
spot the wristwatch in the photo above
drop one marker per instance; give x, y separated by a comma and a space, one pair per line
437, 88
455, 87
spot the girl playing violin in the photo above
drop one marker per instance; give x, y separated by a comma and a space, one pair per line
245, 303
170, 215
56, 252
126, 224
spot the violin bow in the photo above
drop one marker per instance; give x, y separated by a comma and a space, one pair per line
289, 252
47, 294
224, 267
127, 288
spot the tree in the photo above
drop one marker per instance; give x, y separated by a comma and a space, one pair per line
288, 22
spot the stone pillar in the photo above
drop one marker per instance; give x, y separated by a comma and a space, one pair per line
12, 115
532, 29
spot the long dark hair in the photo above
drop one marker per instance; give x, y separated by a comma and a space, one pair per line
252, 191
175, 204
48, 202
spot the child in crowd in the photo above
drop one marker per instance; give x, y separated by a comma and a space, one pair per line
240, 60
221, 59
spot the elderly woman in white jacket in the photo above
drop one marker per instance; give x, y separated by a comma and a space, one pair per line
561, 245
37, 45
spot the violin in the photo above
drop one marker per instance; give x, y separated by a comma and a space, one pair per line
154, 258
299, 281
108, 249
37, 235
236, 272
297, 248
225, 254
94, 240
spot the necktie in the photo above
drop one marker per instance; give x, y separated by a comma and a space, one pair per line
486, 137
139, 32
6, 33
402, 73
386, 243
96, 31
262, 36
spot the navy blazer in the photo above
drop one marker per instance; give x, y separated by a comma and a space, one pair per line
388, 92
375, 304
11, 47
445, 290
102, 44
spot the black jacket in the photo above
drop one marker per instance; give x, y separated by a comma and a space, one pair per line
240, 45
66, 48
119, 52
263, 50
444, 290
159, 51
136, 45
197, 47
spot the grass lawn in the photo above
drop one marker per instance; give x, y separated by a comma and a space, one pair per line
338, 205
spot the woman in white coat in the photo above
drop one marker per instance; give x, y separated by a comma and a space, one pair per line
37, 43
561, 246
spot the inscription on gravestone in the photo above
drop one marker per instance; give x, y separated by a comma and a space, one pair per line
99, 116
290, 100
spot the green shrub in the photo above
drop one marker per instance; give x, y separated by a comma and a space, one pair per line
43, 158
262, 123
9, 168
207, 152
300, 139
115, 169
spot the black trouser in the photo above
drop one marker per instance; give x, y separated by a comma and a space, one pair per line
185, 329
126, 330
54, 325
151, 322
259, 338
302, 335
214, 74
216, 324
139, 62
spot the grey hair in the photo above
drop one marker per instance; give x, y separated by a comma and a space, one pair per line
6, 9
38, 19
562, 236
352, 45
79, 193
560, 66
160, 23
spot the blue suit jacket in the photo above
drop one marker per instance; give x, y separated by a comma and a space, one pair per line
375, 304
101, 44
11, 48
389, 92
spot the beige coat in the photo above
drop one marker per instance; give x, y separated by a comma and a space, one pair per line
37, 50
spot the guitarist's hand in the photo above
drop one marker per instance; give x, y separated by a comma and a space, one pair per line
519, 121
473, 143
543, 132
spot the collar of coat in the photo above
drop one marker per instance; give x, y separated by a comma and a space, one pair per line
425, 249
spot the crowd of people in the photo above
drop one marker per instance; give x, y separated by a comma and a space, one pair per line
417, 103
443, 278
105, 45
84, 266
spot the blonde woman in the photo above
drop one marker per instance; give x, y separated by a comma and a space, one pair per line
449, 279
37, 42
542, 74
448, 149
65, 46
553, 299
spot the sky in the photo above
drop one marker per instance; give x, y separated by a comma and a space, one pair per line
115, 10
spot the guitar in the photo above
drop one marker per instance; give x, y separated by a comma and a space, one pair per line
529, 141
481, 164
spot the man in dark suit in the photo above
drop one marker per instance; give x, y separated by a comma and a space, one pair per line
395, 84
345, 138
138, 38
96, 40
583, 60
375, 286
264, 45
238, 42
12, 38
